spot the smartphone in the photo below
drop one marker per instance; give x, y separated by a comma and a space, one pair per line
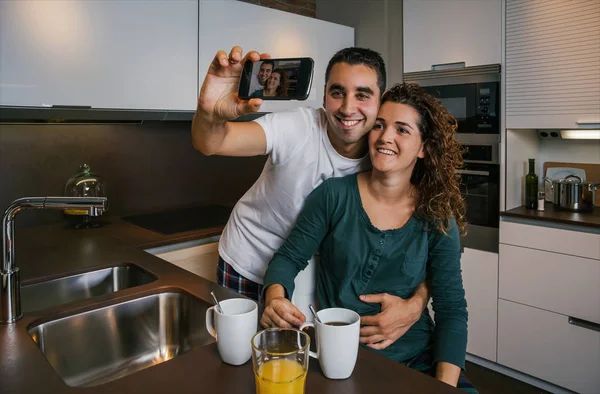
277, 79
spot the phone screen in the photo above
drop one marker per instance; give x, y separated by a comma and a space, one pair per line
277, 79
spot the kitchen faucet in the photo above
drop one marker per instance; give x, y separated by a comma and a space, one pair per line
10, 283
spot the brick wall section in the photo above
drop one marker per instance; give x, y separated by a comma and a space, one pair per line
300, 7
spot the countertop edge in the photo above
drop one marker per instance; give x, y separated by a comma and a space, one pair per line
589, 220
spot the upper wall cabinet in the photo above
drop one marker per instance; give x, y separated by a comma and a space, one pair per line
451, 31
225, 24
552, 64
129, 54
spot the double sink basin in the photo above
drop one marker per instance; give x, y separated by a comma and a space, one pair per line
104, 344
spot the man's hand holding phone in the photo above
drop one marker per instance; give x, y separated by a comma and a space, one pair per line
218, 101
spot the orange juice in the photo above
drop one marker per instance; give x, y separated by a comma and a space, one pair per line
280, 376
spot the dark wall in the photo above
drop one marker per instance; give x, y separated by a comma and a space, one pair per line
146, 167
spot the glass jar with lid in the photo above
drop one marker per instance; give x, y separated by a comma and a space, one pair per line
84, 184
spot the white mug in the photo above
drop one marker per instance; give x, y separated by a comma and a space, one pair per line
233, 329
337, 346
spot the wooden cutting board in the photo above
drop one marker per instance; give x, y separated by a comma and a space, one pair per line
592, 173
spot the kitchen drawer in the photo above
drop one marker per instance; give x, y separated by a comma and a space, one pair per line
575, 243
556, 282
188, 253
204, 265
545, 345
200, 260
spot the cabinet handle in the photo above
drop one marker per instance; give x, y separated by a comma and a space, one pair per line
447, 66
473, 172
588, 124
62, 106
584, 324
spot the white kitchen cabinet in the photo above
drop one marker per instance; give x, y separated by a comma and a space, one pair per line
557, 282
549, 304
480, 280
544, 344
200, 260
569, 242
127, 54
225, 24
451, 31
552, 64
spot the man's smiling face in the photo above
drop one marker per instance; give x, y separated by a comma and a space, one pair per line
264, 73
352, 100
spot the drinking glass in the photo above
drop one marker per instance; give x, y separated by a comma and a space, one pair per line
280, 360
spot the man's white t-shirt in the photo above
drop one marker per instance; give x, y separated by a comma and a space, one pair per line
301, 157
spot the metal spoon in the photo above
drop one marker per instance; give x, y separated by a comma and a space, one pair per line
312, 309
217, 302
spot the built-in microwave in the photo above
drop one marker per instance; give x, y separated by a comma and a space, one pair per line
470, 94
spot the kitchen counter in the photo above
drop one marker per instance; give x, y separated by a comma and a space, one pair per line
48, 251
552, 215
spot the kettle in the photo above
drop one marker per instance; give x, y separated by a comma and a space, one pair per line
84, 184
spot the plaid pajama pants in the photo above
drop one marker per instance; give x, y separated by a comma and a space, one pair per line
230, 278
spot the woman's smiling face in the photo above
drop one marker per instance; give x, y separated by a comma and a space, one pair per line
274, 81
395, 141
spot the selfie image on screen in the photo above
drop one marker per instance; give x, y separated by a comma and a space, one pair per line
274, 78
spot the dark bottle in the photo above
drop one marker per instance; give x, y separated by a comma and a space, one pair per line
531, 186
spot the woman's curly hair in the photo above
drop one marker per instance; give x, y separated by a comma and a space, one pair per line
435, 175
282, 89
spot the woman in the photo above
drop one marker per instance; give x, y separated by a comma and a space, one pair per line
276, 86
385, 231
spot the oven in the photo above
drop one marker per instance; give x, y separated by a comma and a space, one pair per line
480, 187
480, 180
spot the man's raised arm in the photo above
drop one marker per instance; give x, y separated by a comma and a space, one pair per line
218, 103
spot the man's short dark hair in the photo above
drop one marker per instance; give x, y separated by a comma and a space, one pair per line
356, 56
267, 62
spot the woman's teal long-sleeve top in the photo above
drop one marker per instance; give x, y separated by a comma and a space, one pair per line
357, 258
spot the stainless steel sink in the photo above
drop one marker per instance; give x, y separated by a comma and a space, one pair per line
102, 345
71, 288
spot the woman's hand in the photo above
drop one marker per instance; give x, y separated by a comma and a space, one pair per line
279, 311
218, 101
396, 317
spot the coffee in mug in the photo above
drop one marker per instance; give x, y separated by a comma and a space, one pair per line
336, 323
337, 341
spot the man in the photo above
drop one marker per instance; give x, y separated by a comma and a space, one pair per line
260, 80
305, 146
